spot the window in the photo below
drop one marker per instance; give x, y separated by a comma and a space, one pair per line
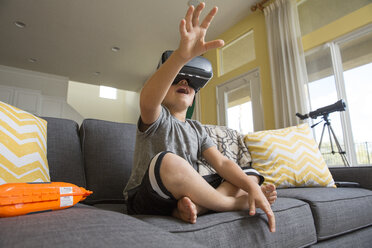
107, 92
239, 103
239, 109
356, 55
237, 53
342, 69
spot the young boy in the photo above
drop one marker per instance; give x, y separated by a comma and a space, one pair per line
164, 179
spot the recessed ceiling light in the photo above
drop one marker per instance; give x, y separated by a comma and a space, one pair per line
97, 73
20, 24
32, 60
115, 49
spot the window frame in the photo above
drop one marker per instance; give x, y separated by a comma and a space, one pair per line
338, 72
253, 78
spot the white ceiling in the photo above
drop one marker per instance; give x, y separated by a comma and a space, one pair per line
73, 38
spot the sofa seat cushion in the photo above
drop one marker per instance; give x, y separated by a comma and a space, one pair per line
294, 227
116, 207
84, 226
360, 238
336, 210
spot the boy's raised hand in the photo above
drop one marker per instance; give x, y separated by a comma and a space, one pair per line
193, 34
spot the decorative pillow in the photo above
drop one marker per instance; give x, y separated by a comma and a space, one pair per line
23, 146
289, 157
230, 143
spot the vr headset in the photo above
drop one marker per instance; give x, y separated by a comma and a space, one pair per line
196, 72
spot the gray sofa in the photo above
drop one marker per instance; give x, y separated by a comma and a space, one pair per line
98, 156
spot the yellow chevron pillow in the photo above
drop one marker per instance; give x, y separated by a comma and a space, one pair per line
289, 157
22, 146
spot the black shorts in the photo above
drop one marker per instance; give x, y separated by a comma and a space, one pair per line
152, 198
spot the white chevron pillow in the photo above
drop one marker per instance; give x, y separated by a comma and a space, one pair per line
289, 157
23, 146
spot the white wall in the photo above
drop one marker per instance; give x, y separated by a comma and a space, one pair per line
85, 99
55, 96
38, 93
49, 85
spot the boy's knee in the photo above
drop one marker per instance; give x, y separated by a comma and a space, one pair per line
174, 169
172, 163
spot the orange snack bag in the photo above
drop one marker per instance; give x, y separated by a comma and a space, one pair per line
27, 198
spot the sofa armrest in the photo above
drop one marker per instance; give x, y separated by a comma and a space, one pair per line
361, 175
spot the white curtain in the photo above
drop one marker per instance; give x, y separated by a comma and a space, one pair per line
287, 62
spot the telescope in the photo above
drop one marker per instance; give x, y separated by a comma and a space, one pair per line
337, 106
325, 111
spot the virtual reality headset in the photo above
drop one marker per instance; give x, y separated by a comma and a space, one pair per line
196, 72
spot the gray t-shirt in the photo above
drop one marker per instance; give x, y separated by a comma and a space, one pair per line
186, 139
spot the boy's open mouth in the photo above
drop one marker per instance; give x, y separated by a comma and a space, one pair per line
183, 90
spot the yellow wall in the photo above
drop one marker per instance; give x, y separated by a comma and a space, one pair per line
255, 21
342, 26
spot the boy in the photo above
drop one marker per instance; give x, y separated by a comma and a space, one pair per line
164, 179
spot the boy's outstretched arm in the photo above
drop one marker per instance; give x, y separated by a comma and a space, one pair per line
231, 172
192, 44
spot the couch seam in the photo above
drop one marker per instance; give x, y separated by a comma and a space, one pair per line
82, 127
352, 198
323, 238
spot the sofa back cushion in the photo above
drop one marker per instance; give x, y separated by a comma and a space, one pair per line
108, 149
230, 143
64, 151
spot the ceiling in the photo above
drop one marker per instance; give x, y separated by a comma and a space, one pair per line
74, 38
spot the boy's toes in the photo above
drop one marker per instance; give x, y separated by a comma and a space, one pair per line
272, 199
270, 188
187, 210
269, 191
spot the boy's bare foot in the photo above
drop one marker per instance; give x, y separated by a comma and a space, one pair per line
186, 210
269, 191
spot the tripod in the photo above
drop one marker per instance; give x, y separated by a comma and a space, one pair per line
330, 131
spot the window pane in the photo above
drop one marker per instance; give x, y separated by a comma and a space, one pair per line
107, 92
319, 64
357, 64
237, 53
240, 118
239, 109
322, 92
239, 103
